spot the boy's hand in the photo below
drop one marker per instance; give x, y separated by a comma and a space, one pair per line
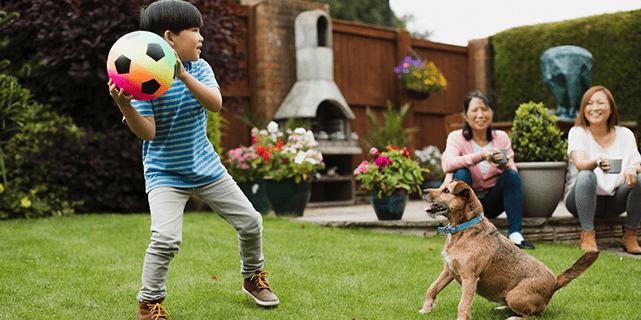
121, 98
180, 70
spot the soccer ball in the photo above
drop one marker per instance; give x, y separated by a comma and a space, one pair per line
142, 64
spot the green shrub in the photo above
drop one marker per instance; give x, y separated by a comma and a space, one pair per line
388, 131
535, 136
517, 55
28, 190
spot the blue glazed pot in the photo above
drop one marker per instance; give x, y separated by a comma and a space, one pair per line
256, 192
390, 207
288, 197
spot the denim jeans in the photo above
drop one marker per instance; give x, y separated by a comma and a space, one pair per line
167, 206
506, 195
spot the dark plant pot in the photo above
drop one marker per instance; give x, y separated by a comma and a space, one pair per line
418, 95
390, 207
431, 184
288, 197
256, 192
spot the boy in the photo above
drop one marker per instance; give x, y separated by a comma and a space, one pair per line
179, 161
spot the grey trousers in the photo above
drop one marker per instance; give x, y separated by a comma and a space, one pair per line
167, 206
583, 202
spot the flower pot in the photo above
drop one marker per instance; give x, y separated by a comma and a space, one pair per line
256, 192
431, 184
288, 197
390, 207
418, 95
543, 184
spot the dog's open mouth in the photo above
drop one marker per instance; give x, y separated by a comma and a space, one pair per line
436, 208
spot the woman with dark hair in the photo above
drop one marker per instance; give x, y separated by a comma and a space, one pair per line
472, 155
590, 189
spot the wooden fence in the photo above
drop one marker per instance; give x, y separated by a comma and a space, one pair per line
364, 59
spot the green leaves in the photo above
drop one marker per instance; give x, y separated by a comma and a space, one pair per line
535, 136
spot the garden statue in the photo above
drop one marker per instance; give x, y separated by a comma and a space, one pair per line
566, 72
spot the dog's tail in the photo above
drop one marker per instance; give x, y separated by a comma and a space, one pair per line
576, 270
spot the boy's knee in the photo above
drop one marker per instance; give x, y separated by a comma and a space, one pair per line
164, 243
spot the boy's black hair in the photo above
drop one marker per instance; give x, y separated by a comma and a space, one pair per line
172, 15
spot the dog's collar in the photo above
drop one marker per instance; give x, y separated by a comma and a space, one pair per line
461, 227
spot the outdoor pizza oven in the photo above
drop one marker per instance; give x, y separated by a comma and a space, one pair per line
316, 99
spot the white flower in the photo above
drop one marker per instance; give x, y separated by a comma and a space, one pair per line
300, 131
272, 127
300, 157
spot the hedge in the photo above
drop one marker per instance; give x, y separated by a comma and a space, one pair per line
613, 39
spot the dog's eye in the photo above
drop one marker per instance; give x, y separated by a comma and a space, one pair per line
446, 190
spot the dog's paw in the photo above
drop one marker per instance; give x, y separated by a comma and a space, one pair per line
427, 307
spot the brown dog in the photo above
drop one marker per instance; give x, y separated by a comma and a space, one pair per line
485, 262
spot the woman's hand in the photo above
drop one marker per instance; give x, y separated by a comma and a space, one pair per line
630, 175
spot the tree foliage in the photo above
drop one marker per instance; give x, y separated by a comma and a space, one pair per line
74, 38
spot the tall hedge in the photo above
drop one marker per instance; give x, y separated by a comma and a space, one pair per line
613, 39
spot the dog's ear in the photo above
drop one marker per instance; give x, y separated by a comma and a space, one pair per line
461, 189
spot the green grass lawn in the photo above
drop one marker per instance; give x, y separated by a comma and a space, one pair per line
88, 267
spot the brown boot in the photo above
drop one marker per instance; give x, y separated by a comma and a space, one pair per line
588, 241
152, 310
629, 242
258, 288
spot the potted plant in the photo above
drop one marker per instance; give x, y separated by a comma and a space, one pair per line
291, 166
390, 130
388, 177
420, 77
430, 159
248, 169
539, 153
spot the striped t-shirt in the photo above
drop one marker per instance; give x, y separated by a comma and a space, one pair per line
180, 155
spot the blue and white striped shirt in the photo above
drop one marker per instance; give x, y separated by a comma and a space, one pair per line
180, 155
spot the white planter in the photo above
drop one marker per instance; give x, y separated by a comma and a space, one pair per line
543, 184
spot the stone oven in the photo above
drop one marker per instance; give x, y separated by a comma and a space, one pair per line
316, 99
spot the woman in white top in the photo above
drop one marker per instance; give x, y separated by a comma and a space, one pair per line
590, 191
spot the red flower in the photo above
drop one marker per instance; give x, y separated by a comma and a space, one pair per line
263, 152
406, 153
392, 147
278, 145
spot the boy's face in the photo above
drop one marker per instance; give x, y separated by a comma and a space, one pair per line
187, 44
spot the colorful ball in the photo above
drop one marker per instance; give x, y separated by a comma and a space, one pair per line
142, 64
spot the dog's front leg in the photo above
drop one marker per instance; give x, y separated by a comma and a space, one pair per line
443, 280
468, 288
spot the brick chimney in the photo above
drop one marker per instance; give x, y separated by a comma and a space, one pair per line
276, 49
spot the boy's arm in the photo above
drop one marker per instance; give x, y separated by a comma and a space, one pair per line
143, 127
209, 97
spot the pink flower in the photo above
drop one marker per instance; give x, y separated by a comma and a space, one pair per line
362, 168
382, 162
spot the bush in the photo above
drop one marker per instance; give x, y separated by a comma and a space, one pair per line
390, 130
535, 136
75, 43
517, 54
28, 190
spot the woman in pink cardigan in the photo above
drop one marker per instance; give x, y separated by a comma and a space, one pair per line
472, 155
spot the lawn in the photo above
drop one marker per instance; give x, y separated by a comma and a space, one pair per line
88, 267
